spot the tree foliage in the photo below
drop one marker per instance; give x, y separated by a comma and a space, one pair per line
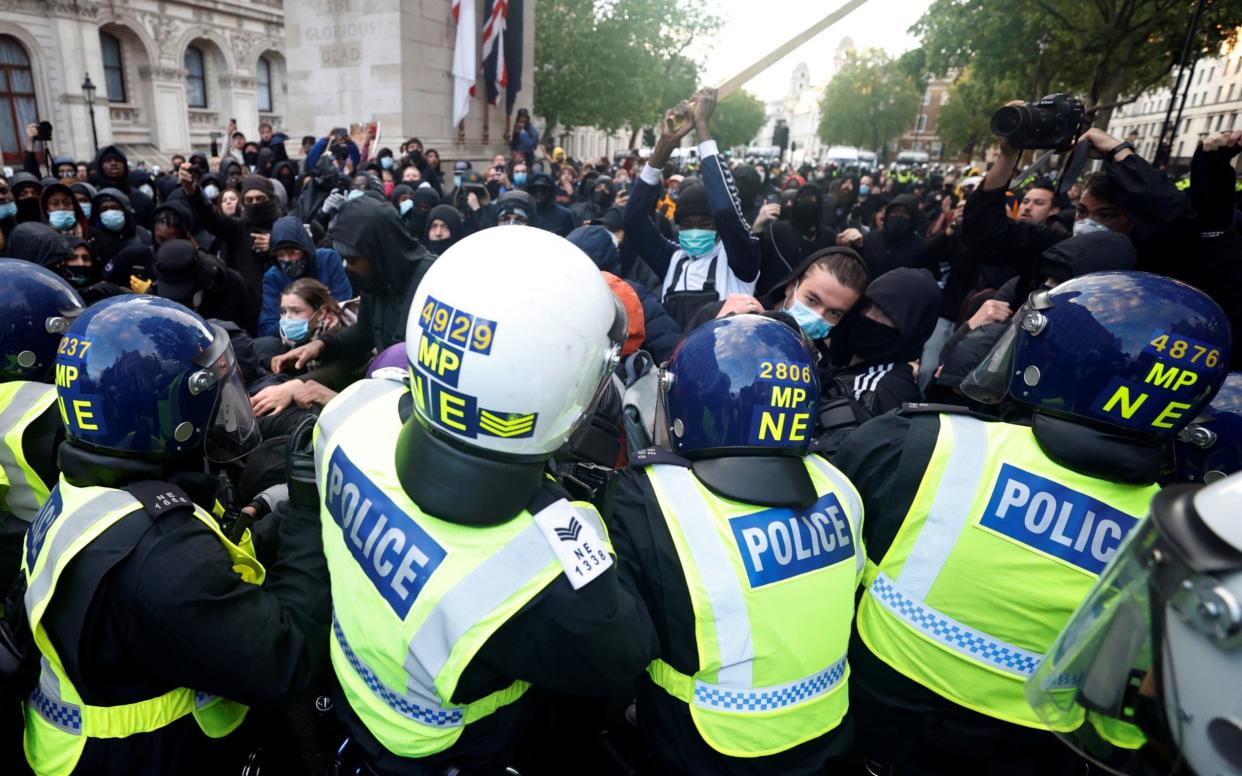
615, 63
1107, 52
738, 118
965, 118
872, 100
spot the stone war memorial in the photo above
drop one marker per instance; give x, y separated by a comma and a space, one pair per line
390, 61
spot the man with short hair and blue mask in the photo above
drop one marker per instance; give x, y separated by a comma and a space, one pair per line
715, 255
983, 536
747, 550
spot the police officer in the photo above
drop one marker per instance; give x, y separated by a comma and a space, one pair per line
984, 536
1210, 448
747, 552
461, 574
155, 626
1144, 678
35, 309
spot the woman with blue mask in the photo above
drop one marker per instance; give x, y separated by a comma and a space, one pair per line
307, 311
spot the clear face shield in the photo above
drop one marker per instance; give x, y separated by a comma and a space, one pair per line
1109, 685
233, 431
988, 383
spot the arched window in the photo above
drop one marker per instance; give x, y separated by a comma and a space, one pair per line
114, 71
195, 78
264, 82
17, 98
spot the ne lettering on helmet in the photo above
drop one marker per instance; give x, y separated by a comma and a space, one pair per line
787, 418
78, 411
1170, 388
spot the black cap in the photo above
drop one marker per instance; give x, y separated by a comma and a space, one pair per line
692, 201
176, 271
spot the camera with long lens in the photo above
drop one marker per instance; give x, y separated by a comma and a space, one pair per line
1054, 122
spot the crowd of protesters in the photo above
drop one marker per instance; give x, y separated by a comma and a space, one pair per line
903, 278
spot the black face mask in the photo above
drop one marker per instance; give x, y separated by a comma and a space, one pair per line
493, 189
293, 269
601, 198
899, 225
251, 157
438, 247
262, 212
871, 340
28, 210
372, 284
805, 212
541, 195
78, 277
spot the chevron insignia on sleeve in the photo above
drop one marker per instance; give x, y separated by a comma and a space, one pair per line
510, 425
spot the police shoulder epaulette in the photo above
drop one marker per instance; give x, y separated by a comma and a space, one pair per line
927, 408
158, 497
654, 455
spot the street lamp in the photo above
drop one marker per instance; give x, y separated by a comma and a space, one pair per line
88, 94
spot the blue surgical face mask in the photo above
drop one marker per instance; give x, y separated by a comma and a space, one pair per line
211, 191
812, 323
113, 219
697, 242
295, 329
354, 194
1087, 226
864, 190
405, 206
457, 181
62, 220
86, 208
519, 178
8, 210
386, 162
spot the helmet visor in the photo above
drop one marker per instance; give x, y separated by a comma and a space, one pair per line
1098, 681
233, 433
988, 383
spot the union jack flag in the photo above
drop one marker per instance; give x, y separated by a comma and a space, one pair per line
495, 70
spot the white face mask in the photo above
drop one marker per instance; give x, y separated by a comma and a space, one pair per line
1087, 226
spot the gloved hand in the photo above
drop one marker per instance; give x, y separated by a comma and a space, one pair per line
300, 466
333, 203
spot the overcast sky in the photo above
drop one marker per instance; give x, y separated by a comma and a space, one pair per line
752, 28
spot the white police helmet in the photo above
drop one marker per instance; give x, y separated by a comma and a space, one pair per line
510, 338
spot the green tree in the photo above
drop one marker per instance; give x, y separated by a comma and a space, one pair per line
965, 118
738, 118
612, 63
869, 102
1107, 52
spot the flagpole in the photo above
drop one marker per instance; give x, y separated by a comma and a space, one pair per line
487, 130
461, 132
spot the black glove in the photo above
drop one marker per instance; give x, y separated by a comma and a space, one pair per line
300, 466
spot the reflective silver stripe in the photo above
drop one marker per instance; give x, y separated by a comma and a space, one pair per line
715, 569
482, 591
715, 696
66, 530
853, 505
345, 406
950, 509
961, 638
20, 499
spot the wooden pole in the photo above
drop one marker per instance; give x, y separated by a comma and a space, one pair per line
731, 85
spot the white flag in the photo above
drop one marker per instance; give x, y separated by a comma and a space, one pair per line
464, 59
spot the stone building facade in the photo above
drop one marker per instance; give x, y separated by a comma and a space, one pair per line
168, 73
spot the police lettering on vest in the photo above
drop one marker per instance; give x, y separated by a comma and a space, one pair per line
397, 556
778, 544
1054, 519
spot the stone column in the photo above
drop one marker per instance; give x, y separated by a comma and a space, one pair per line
351, 61
172, 130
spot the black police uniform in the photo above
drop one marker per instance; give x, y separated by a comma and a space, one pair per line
638, 529
916, 730
153, 604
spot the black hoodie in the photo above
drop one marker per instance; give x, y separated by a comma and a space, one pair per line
142, 206
789, 241
883, 250
29, 210
39, 243
397, 262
